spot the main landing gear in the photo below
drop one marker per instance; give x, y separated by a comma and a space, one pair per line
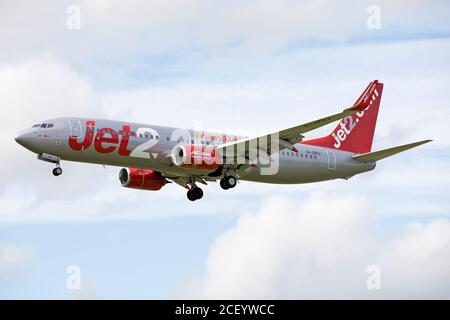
195, 193
228, 182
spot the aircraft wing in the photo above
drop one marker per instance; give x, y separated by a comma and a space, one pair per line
271, 143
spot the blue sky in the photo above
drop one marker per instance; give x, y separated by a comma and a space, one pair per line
261, 66
155, 256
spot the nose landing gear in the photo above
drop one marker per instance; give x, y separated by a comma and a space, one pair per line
52, 159
57, 171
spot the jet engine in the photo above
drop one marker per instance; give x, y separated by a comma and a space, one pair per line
143, 179
196, 157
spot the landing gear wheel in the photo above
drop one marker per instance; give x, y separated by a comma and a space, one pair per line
223, 185
195, 193
57, 171
198, 193
230, 181
190, 196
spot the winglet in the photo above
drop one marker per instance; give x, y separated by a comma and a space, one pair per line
364, 99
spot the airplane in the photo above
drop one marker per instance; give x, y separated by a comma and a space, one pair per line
153, 156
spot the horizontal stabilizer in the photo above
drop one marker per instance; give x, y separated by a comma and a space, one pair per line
378, 155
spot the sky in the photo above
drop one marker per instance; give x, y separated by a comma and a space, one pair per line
235, 67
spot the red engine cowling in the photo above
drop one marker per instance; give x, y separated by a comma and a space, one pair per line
143, 179
196, 157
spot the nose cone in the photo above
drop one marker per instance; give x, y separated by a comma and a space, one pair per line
25, 139
19, 138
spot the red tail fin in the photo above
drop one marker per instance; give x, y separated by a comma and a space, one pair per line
355, 133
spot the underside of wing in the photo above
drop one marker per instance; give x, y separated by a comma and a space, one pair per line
184, 181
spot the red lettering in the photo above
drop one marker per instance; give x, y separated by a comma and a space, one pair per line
88, 137
100, 139
111, 139
126, 133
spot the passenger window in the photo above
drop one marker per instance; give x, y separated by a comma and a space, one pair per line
50, 125
36, 125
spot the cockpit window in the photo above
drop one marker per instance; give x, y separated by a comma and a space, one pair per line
44, 125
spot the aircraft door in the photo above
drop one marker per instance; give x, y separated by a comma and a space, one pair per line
331, 160
75, 128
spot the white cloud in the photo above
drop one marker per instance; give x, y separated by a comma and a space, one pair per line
417, 263
13, 260
221, 27
37, 89
321, 248
43, 87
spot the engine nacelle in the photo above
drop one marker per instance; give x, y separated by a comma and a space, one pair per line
143, 179
196, 157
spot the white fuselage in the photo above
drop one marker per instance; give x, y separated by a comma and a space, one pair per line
145, 146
